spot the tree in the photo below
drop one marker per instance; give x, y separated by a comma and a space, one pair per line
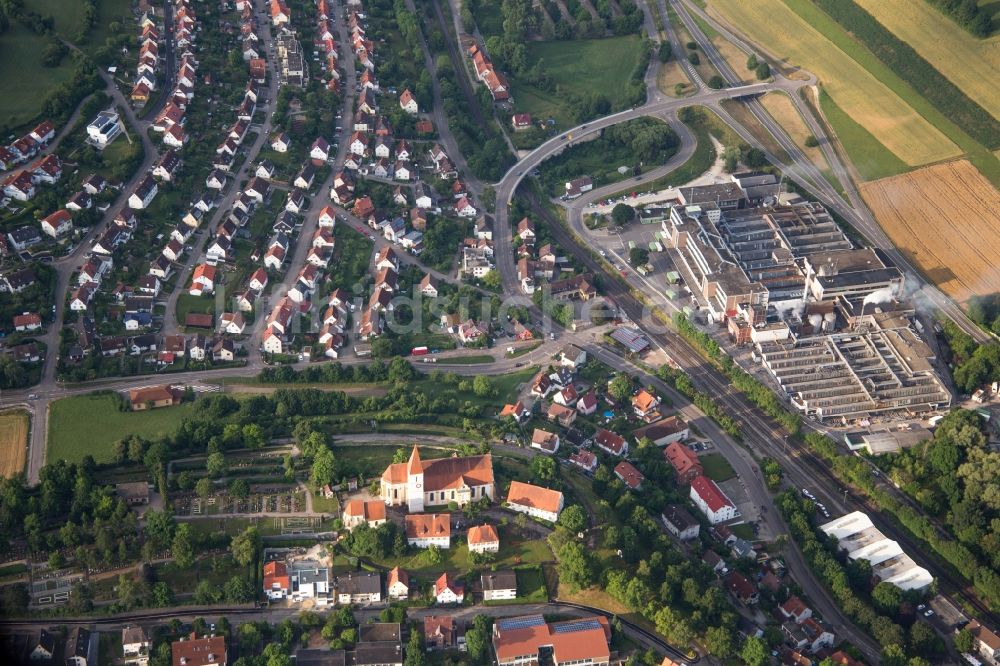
622, 214
720, 641
620, 387
216, 464
414, 651
572, 518
205, 487
664, 51
716, 82
324, 469
239, 488
811, 141
576, 567
482, 386
238, 590
763, 71
886, 598
638, 256
694, 59
543, 468
754, 652
752, 62
182, 548
244, 546
162, 595
477, 642
126, 592
964, 642
253, 436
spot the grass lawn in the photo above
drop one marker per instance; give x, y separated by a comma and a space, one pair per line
91, 424
475, 359
872, 159
531, 585
325, 505
590, 66
119, 151
186, 303
68, 15
372, 459
513, 552
743, 531
21, 61
717, 467
108, 12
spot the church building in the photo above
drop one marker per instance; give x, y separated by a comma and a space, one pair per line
437, 482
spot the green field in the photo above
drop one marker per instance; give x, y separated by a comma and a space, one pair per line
585, 67
91, 424
29, 82
186, 304
513, 552
109, 12
68, 15
717, 467
870, 158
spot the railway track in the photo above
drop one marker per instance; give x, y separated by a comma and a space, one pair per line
802, 467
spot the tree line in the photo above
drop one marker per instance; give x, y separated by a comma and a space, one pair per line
913, 68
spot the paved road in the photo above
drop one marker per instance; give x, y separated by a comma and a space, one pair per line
265, 104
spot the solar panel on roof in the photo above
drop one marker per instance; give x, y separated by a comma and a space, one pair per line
570, 627
513, 623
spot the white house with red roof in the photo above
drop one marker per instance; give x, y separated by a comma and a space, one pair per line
57, 224
447, 590
408, 103
711, 501
611, 442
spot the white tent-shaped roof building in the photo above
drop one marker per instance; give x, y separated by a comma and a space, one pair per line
856, 534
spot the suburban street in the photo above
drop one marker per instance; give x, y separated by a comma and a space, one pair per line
761, 435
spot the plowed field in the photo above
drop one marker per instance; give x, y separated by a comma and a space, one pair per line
945, 218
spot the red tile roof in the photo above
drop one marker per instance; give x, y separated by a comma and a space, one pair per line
526, 494
710, 493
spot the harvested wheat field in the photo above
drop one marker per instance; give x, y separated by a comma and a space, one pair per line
13, 442
971, 64
945, 219
788, 38
782, 110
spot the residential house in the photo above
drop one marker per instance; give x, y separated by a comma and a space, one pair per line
58, 224
684, 461
143, 193
135, 646
277, 583
483, 539
629, 475
666, 431
357, 511
397, 584
545, 441
611, 442
535, 501
359, 587
194, 651
740, 587
646, 405
587, 404
203, 280
408, 103
447, 590
428, 529
517, 411
585, 460
680, 522
499, 585
439, 632
711, 501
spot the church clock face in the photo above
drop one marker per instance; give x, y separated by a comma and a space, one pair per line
418, 484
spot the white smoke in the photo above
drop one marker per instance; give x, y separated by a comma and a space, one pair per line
815, 321
883, 295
